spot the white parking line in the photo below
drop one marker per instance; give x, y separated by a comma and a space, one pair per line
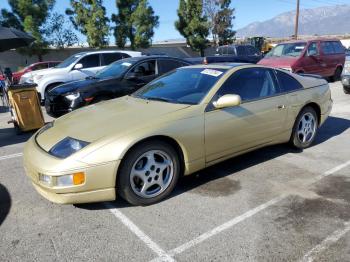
333, 238
162, 255
244, 216
10, 156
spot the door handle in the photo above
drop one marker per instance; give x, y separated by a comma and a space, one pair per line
281, 107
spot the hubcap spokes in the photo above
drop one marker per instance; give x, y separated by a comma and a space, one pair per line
151, 173
306, 128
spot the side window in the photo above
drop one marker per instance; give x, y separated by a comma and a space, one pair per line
166, 65
241, 50
53, 64
108, 58
327, 48
312, 50
231, 50
287, 82
90, 61
147, 68
250, 84
338, 47
251, 50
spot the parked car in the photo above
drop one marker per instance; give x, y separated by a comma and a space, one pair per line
16, 76
345, 78
324, 57
230, 54
193, 117
118, 79
75, 67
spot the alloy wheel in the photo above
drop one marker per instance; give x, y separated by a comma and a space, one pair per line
306, 128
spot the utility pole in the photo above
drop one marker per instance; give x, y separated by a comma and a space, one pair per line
297, 20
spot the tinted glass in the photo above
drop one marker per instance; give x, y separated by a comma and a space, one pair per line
231, 50
287, 82
250, 84
147, 68
52, 64
116, 69
327, 48
184, 85
109, 58
289, 49
166, 65
338, 47
241, 50
312, 50
90, 61
251, 50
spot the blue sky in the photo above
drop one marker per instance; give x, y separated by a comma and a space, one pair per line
247, 11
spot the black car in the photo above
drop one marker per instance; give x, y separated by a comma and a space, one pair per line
231, 54
118, 79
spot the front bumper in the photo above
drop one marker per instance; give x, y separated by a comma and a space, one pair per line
99, 185
59, 105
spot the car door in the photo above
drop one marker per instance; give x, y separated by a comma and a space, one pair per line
328, 63
90, 65
312, 60
258, 120
139, 75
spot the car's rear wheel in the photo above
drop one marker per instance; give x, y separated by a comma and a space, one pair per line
305, 128
148, 173
337, 74
346, 90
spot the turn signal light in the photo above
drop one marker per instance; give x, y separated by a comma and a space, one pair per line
78, 178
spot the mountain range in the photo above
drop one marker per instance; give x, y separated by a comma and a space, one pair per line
329, 20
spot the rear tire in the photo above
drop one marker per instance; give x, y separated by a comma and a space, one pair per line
148, 173
305, 128
346, 90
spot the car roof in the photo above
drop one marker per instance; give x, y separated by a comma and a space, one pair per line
219, 65
309, 40
106, 51
146, 57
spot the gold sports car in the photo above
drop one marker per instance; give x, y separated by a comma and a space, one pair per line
138, 146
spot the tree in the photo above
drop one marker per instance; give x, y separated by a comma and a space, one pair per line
193, 24
89, 17
135, 22
220, 17
58, 33
29, 15
223, 23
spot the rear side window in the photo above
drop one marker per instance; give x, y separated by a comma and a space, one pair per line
327, 48
108, 58
338, 47
252, 51
287, 82
52, 64
166, 65
39, 67
90, 61
231, 50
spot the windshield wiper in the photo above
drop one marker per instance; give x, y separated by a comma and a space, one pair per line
156, 98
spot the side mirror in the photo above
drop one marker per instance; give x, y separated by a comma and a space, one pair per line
78, 66
227, 101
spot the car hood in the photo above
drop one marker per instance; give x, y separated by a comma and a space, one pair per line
113, 118
71, 87
278, 61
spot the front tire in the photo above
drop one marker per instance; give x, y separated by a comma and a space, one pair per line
148, 173
305, 128
337, 74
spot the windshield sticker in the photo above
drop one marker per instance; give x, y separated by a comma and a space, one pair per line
211, 72
126, 64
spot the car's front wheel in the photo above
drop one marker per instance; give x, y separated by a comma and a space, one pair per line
305, 128
148, 173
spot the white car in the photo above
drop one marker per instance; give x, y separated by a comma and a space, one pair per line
75, 67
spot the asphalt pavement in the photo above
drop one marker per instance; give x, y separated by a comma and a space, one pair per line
273, 204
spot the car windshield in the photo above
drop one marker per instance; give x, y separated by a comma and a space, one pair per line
68, 61
115, 69
290, 49
183, 85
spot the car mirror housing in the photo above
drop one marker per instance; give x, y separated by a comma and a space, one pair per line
227, 101
78, 66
